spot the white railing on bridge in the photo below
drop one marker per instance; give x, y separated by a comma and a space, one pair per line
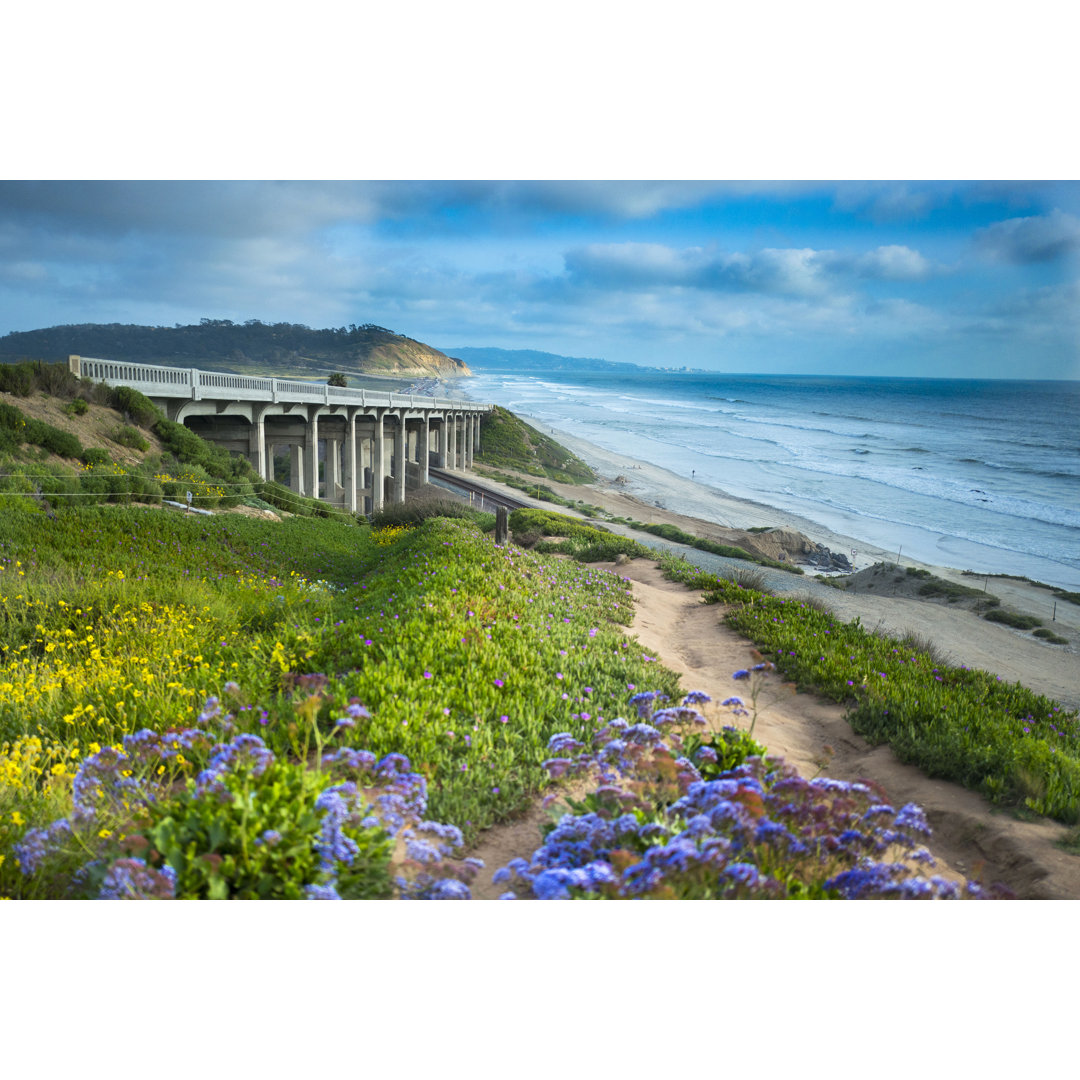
193, 384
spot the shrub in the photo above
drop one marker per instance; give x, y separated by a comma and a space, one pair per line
412, 513
17, 379
1012, 618
78, 407
135, 405
95, 455
21, 429
129, 437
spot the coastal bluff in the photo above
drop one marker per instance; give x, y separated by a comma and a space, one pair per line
248, 348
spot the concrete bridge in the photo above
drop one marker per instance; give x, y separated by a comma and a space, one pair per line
371, 444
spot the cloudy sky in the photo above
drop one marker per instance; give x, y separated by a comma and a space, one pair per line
905, 278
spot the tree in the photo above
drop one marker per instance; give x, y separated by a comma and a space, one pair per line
337, 379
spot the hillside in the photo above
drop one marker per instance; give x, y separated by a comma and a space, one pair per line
252, 347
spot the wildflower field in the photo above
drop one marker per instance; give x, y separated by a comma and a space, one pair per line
221, 707
1018, 748
216, 677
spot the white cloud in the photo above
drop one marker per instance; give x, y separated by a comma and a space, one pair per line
894, 262
1031, 239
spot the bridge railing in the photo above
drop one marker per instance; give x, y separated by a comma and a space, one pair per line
157, 381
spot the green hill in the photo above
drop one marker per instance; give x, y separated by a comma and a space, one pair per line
252, 347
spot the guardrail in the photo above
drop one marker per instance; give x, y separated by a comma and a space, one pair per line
157, 381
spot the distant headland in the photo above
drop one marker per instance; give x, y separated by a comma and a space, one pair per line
251, 347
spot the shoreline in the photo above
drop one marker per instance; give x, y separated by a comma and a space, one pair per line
653, 494
838, 523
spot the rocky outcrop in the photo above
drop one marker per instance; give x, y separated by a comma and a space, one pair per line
789, 545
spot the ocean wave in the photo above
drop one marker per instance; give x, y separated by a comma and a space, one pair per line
930, 486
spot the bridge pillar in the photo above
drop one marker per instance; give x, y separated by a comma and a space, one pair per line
296, 468
311, 446
440, 454
425, 441
333, 470
350, 462
378, 467
399, 459
258, 455
469, 421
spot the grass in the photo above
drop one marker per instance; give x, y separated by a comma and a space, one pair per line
587, 543
506, 442
678, 536
468, 656
1013, 619
1016, 747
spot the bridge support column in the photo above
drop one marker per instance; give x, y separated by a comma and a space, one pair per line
257, 454
378, 467
296, 468
425, 452
333, 470
399, 459
469, 421
311, 446
440, 456
350, 464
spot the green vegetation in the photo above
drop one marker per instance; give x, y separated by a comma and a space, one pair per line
1015, 746
1050, 636
676, 535
125, 435
224, 345
189, 463
17, 429
506, 442
1013, 619
467, 656
587, 543
542, 493
22, 379
948, 590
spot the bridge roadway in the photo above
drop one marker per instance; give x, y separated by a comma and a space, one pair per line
371, 444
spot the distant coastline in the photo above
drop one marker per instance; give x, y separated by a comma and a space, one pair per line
833, 470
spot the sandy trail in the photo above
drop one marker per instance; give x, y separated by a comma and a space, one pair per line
969, 838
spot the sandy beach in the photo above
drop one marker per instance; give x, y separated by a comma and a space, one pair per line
628, 488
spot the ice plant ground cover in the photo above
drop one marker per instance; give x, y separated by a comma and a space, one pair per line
226, 707
465, 657
1016, 747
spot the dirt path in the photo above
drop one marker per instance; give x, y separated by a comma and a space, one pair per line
969, 838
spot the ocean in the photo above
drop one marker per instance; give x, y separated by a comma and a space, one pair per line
973, 474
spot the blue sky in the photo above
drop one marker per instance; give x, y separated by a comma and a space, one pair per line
906, 278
